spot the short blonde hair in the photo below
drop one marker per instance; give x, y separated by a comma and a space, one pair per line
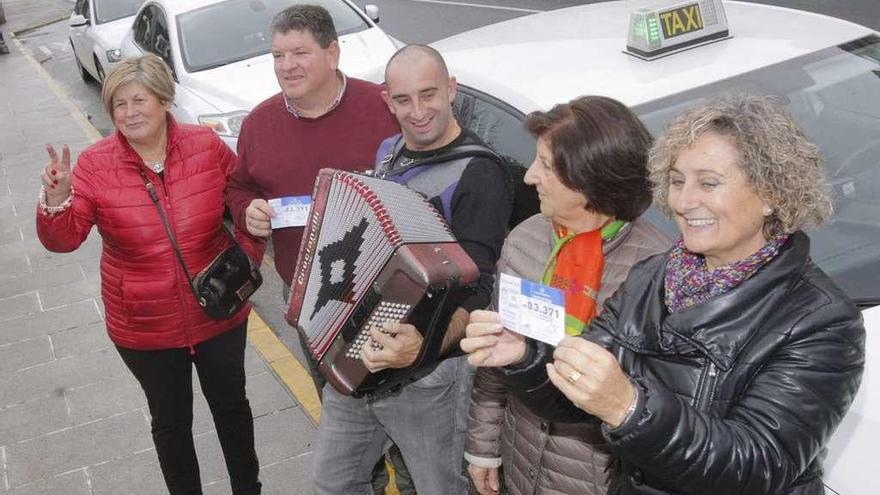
149, 71
785, 169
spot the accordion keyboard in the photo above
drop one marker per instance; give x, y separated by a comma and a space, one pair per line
385, 312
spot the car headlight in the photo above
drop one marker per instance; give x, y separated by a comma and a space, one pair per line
224, 124
114, 55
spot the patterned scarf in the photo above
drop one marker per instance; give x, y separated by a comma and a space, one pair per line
575, 267
689, 282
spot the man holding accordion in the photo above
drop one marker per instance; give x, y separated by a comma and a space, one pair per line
425, 415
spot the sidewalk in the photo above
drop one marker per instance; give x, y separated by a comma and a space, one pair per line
72, 418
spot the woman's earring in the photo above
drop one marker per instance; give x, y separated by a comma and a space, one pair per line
768, 211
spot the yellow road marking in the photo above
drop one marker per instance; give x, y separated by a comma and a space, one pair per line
294, 376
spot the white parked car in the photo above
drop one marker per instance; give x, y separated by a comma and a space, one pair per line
219, 52
826, 70
96, 31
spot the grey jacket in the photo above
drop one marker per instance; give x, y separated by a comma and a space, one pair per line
541, 457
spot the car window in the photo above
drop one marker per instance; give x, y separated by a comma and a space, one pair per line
498, 124
235, 30
143, 28
345, 19
85, 10
111, 10
78, 6
834, 96
161, 43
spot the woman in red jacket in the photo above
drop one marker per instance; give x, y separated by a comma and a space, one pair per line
152, 316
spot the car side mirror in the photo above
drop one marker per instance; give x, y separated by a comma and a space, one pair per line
372, 12
77, 20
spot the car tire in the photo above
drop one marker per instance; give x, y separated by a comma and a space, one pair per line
100, 71
83, 73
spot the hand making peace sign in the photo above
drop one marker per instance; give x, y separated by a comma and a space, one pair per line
56, 176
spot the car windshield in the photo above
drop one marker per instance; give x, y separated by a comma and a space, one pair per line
834, 95
236, 30
111, 10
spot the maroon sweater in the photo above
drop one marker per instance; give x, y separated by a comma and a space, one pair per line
280, 154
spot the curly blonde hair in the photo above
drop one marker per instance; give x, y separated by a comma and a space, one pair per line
784, 168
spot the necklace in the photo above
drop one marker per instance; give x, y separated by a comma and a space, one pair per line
156, 166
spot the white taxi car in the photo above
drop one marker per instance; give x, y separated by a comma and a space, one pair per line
218, 51
826, 70
96, 31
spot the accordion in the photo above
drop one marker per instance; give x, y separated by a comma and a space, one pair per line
373, 251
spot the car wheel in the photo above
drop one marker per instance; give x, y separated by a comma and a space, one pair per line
83, 73
100, 71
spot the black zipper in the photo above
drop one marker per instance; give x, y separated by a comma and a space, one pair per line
707, 390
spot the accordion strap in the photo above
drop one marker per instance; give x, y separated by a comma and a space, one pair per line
151, 190
454, 153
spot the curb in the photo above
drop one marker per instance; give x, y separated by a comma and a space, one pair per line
38, 26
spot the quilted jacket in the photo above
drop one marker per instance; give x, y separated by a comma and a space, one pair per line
147, 300
740, 394
540, 456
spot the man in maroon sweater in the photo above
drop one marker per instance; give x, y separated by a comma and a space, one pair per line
321, 118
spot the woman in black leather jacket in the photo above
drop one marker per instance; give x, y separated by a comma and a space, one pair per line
724, 365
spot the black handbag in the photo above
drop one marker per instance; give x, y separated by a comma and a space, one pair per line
225, 285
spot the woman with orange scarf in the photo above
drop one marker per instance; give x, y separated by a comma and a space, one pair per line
591, 176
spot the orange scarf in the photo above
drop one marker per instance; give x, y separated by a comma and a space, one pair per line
575, 267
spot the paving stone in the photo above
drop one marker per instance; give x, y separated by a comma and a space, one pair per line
48, 322
288, 477
88, 251
11, 235
32, 419
24, 354
137, 474
291, 476
41, 279
105, 399
267, 395
16, 306
283, 434
54, 297
14, 266
10, 220
13, 250
77, 447
58, 376
80, 340
253, 363
278, 436
75, 483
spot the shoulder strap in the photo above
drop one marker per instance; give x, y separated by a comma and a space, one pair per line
155, 198
458, 152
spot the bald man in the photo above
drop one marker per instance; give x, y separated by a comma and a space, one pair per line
426, 418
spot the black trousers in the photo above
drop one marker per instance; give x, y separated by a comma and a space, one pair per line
166, 378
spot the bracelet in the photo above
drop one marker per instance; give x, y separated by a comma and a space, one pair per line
632, 406
53, 210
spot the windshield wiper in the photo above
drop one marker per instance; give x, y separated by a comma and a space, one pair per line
227, 62
866, 302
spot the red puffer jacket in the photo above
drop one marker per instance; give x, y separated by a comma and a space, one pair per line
146, 295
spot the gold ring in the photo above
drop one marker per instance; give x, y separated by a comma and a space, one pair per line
574, 376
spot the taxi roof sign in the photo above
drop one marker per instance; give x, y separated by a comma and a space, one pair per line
675, 26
